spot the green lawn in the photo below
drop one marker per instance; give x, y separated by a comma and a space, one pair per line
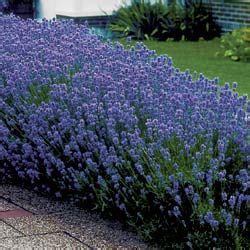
200, 57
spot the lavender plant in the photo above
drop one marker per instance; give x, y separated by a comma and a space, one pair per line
125, 132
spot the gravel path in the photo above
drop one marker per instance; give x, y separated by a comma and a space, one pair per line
31, 221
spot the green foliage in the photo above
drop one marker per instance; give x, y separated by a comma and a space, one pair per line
145, 20
142, 20
205, 240
198, 21
236, 45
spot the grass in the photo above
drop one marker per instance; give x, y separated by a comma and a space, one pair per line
200, 57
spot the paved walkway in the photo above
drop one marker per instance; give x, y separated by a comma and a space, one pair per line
30, 221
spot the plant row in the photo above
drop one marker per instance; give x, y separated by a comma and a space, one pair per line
188, 20
125, 132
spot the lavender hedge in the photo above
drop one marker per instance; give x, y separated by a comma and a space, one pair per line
124, 131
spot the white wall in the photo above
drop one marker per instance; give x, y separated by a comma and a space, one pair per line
74, 8
86, 7
47, 8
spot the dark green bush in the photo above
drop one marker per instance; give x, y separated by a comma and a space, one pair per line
198, 21
143, 20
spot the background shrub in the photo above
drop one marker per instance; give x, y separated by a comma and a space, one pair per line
236, 45
124, 132
143, 20
198, 21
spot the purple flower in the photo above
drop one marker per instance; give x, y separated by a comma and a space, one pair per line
196, 198
128, 179
177, 199
122, 207
211, 202
58, 195
129, 39
224, 196
176, 211
171, 178
175, 166
148, 178
200, 176
241, 199
232, 201
209, 218
236, 222
189, 190
235, 85
228, 219
222, 175
115, 178
139, 168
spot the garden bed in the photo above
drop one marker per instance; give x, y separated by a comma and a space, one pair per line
125, 131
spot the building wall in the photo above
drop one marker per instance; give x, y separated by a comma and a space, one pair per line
78, 8
75, 8
45, 9
231, 14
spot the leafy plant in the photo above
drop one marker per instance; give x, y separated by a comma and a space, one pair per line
236, 45
144, 20
173, 25
198, 21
